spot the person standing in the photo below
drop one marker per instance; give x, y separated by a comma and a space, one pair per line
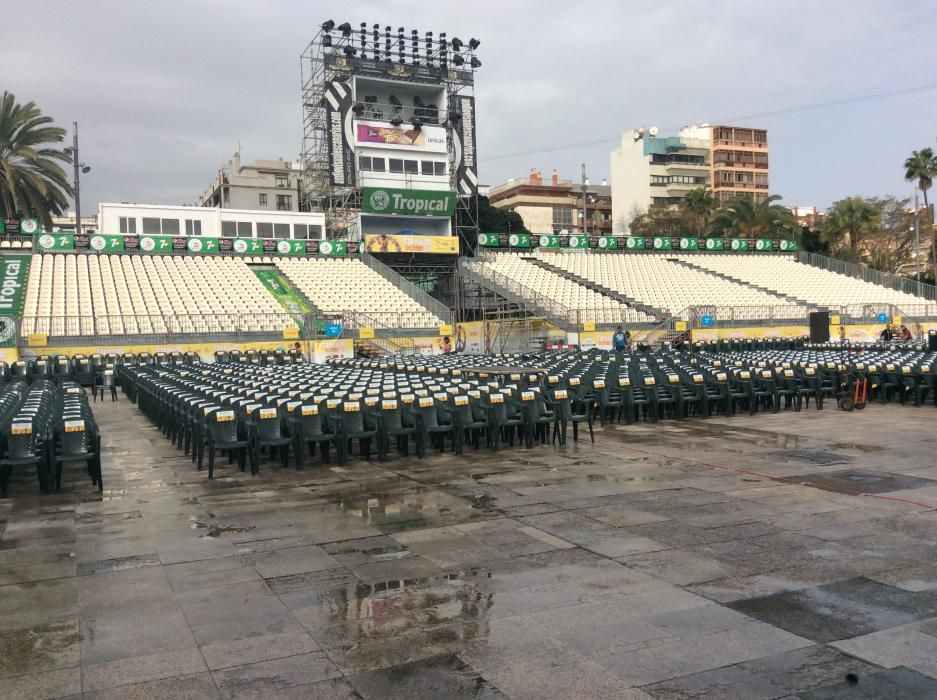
619, 340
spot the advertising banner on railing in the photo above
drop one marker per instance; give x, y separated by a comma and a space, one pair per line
578, 242
715, 245
685, 243
636, 243
333, 248
389, 200
663, 243
766, 244
490, 240
519, 240
56, 241
104, 242
609, 242
787, 246
402, 243
740, 245
548, 241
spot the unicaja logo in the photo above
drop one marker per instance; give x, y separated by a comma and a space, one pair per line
573, 242
98, 242
513, 239
544, 240
684, 242
379, 200
783, 245
240, 245
283, 247
630, 243
147, 244
326, 248
603, 243
710, 244
46, 241
483, 239
735, 244
195, 245
29, 226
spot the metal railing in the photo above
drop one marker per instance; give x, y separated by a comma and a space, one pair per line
515, 291
387, 323
407, 287
884, 279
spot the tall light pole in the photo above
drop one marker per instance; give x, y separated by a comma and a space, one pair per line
917, 242
79, 169
584, 228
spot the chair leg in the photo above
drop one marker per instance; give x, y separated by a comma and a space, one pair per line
211, 460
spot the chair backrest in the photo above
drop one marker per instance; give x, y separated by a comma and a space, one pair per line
223, 425
267, 421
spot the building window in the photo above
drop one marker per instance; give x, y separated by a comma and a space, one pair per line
411, 167
263, 199
229, 229
170, 227
761, 179
245, 229
281, 230
396, 165
151, 227
315, 232
284, 202
193, 227
300, 231
377, 165
264, 229
562, 216
426, 167
364, 163
441, 169
128, 224
282, 180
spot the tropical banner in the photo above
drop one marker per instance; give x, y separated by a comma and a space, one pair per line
14, 271
388, 200
519, 240
715, 244
687, 243
546, 241
663, 243
608, 242
636, 243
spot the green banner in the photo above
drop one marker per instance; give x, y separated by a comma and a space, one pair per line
248, 246
715, 244
788, 246
663, 243
549, 241
283, 292
489, 240
388, 200
519, 240
740, 244
609, 242
579, 242
688, 243
14, 272
156, 244
106, 243
56, 241
197, 244
291, 247
636, 243
333, 247
764, 244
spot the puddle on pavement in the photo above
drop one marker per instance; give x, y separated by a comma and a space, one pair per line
35, 648
217, 530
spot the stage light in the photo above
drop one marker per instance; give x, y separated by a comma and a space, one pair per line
327, 40
377, 42
474, 43
328, 26
358, 109
457, 60
476, 63
456, 44
415, 46
350, 51
417, 123
396, 120
387, 57
345, 29
395, 101
429, 44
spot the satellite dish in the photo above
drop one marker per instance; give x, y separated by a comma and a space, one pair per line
635, 135
652, 131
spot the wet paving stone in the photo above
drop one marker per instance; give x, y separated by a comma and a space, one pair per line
860, 481
894, 684
626, 570
840, 610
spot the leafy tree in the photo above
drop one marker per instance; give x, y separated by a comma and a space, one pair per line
848, 221
749, 217
812, 242
890, 245
698, 204
922, 167
660, 220
32, 183
495, 220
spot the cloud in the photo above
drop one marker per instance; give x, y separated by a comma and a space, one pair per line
164, 92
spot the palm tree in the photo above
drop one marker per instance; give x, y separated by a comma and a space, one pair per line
32, 183
698, 204
849, 220
747, 217
922, 166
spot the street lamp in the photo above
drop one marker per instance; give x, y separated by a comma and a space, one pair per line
80, 168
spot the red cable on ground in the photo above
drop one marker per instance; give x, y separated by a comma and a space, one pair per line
723, 467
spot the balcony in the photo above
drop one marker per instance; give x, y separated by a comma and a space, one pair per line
429, 113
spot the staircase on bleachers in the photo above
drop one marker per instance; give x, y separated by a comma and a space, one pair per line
686, 262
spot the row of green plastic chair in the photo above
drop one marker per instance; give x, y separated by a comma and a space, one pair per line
46, 425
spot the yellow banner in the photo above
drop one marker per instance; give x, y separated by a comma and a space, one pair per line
365, 332
37, 340
403, 243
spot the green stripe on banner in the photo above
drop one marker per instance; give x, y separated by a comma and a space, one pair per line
283, 292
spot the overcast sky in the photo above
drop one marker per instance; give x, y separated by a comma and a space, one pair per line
165, 91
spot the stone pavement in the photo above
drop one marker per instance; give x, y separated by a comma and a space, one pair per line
727, 558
